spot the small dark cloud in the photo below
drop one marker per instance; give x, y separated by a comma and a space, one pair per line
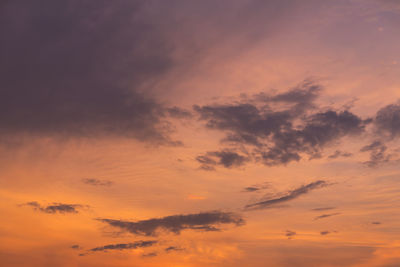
204, 221
325, 232
293, 194
376, 223
323, 208
226, 158
378, 155
55, 207
97, 182
326, 216
290, 234
75, 247
387, 121
256, 188
135, 245
251, 189
173, 248
149, 255
339, 153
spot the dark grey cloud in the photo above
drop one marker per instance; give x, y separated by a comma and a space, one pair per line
55, 207
325, 232
75, 247
376, 223
291, 195
290, 234
226, 158
204, 221
279, 129
378, 155
75, 68
326, 216
387, 121
97, 182
123, 246
339, 153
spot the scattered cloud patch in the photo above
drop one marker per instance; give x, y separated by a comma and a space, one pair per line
279, 129
55, 207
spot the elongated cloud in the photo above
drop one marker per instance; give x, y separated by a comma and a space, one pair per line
323, 216
135, 245
55, 207
291, 195
97, 182
204, 221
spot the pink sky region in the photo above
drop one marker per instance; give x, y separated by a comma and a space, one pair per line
200, 133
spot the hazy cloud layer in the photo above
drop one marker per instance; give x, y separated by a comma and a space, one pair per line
204, 221
55, 207
279, 129
293, 194
80, 73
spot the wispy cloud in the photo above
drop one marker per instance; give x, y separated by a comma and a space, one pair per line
123, 246
326, 216
97, 182
293, 194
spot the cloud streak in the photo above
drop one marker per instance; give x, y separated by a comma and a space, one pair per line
204, 221
291, 195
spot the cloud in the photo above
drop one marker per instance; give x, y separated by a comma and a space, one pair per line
324, 232
323, 208
291, 195
173, 248
151, 254
55, 207
377, 154
339, 153
290, 234
135, 245
387, 120
75, 247
376, 223
279, 129
83, 72
204, 221
226, 158
97, 182
326, 216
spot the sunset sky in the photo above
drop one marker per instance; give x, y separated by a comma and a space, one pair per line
179, 133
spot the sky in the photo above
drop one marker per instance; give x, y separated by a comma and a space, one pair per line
200, 133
